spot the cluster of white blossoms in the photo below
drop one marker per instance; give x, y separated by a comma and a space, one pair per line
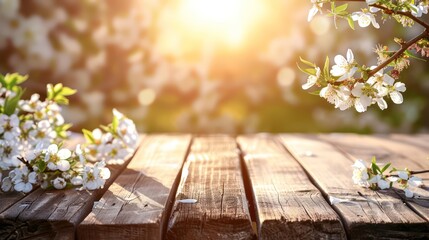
348, 84
344, 90
373, 177
31, 151
115, 144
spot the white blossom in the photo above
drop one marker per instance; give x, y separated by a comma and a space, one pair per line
95, 177
330, 94
364, 19
415, 181
9, 126
344, 68
317, 7
57, 158
23, 179
360, 173
6, 184
59, 183
312, 79
403, 174
9, 8
395, 93
419, 10
362, 101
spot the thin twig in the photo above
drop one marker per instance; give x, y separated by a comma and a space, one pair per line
398, 53
26, 163
404, 46
407, 14
419, 172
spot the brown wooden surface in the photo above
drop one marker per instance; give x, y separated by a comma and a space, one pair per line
51, 214
397, 151
212, 176
134, 206
287, 179
367, 214
288, 205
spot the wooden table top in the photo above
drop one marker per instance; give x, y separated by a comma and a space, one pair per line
261, 186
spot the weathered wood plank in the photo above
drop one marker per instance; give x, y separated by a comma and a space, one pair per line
211, 176
288, 205
397, 152
366, 214
136, 205
51, 214
8, 199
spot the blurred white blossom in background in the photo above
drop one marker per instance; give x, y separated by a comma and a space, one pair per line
142, 58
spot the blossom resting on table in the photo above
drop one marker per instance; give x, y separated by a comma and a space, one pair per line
373, 177
115, 143
31, 151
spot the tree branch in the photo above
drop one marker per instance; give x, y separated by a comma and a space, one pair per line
398, 53
407, 14
419, 172
26, 163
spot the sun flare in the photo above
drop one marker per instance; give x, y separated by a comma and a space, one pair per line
227, 20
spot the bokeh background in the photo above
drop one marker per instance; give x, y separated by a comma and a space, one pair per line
198, 65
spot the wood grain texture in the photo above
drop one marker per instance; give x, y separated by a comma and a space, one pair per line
134, 207
51, 214
212, 176
288, 205
366, 214
402, 151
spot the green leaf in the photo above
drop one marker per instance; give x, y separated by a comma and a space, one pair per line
341, 8
409, 54
385, 167
66, 91
88, 135
50, 90
105, 128
115, 124
326, 69
351, 22
316, 93
302, 70
58, 87
11, 103
62, 130
11, 80
42, 166
310, 71
307, 62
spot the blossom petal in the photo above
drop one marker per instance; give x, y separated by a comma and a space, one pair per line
396, 97
415, 181
382, 104
403, 174
350, 56
64, 153
340, 60
311, 80
408, 193
53, 148
399, 86
338, 71
63, 165
313, 11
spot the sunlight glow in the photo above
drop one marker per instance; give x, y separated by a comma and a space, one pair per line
228, 20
